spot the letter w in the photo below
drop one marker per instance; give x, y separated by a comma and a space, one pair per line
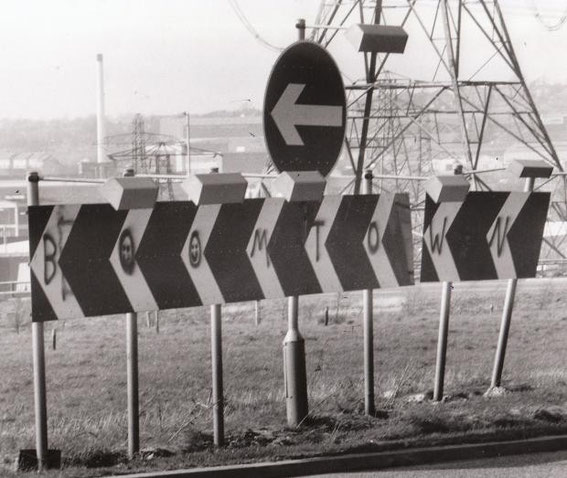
437, 241
501, 236
261, 238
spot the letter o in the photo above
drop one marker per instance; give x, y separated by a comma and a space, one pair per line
373, 242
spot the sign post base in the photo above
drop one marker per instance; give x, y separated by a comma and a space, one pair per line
295, 375
27, 460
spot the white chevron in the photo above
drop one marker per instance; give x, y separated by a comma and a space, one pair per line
134, 283
497, 236
374, 245
201, 274
45, 262
436, 243
258, 244
315, 245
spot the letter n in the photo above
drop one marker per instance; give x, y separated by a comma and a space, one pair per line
499, 235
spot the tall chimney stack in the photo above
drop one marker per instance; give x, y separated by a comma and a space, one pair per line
100, 130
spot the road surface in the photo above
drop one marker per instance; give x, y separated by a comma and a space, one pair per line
540, 465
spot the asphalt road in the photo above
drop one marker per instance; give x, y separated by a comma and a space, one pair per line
540, 465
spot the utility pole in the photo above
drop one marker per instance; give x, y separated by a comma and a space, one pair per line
187, 141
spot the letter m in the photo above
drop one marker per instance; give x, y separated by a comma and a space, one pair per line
436, 239
261, 238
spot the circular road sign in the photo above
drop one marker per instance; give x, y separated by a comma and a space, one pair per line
305, 110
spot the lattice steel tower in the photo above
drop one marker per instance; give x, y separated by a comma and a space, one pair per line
457, 94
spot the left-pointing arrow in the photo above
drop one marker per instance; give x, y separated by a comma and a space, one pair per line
288, 114
124, 263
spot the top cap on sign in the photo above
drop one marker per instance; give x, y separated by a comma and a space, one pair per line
305, 110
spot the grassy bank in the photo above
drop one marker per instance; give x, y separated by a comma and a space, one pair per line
86, 379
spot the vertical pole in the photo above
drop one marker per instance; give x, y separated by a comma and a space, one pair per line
496, 380
216, 361
371, 76
187, 140
442, 341
368, 330
216, 364
295, 375
132, 372
100, 120
443, 331
257, 313
132, 375
38, 347
300, 25
16, 220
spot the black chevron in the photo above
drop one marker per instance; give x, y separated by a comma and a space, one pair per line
85, 260
345, 242
287, 249
226, 251
525, 235
397, 240
159, 255
466, 237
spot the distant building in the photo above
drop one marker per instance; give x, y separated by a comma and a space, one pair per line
17, 164
231, 143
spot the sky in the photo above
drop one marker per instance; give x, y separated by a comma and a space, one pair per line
170, 56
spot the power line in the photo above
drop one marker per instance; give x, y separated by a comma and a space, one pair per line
250, 27
541, 18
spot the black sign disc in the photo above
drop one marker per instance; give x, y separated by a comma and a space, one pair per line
305, 110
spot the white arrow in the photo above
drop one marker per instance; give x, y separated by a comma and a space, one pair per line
45, 262
132, 279
315, 244
199, 269
288, 114
497, 236
258, 248
374, 245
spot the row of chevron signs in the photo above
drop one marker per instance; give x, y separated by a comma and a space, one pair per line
489, 235
90, 260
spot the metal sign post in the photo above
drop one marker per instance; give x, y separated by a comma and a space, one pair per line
216, 364
453, 190
531, 170
39, 387
506, 321
442, 341
132, 374
368, 326
295, 374
132, 380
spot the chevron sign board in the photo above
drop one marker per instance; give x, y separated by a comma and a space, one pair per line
90, 260
490, 235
